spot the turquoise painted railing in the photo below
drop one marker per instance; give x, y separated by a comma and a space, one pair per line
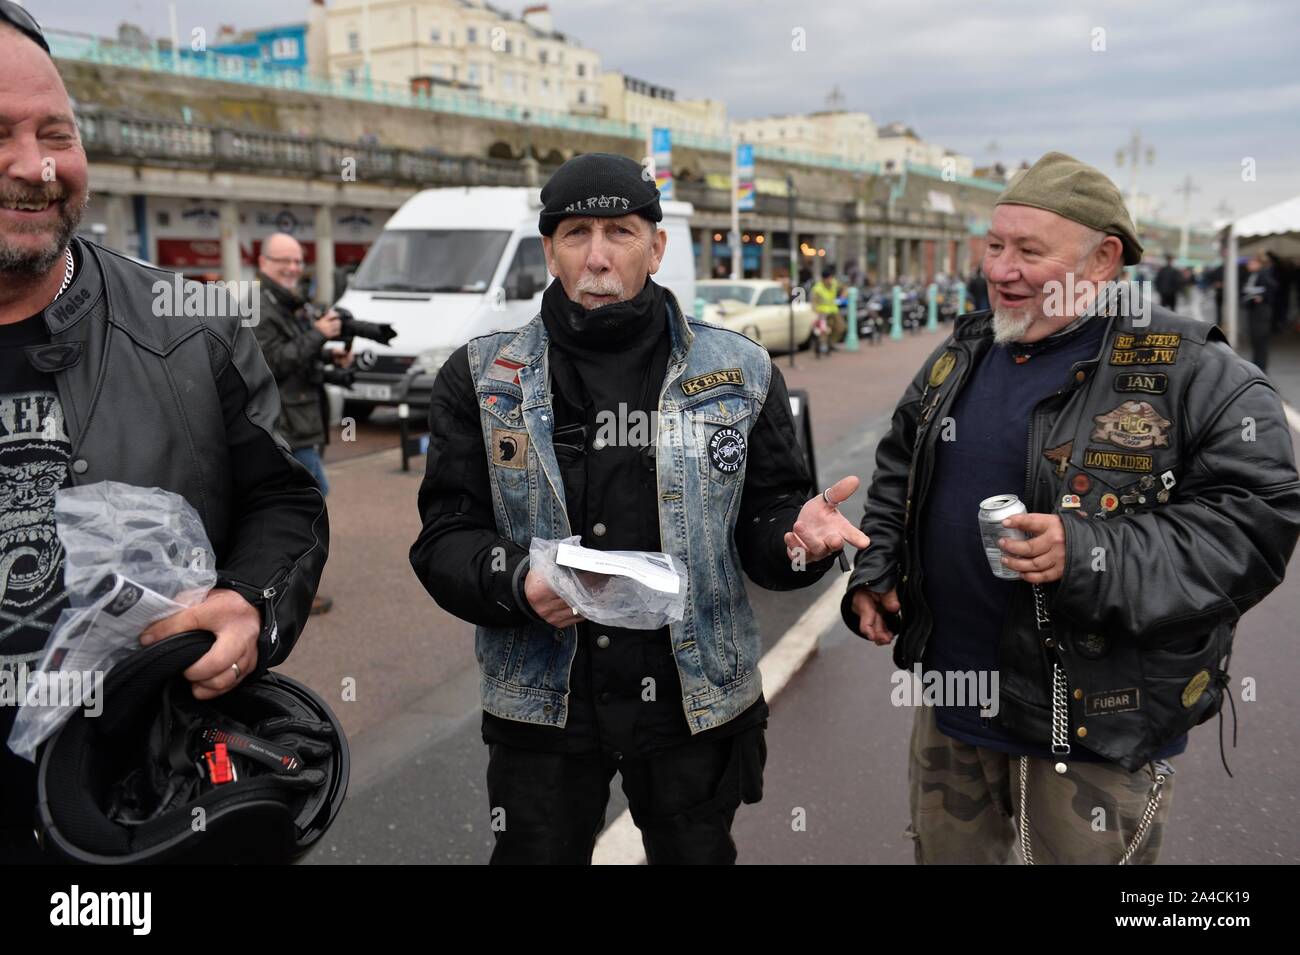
251, 72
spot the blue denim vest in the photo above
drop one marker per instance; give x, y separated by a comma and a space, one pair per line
712, 394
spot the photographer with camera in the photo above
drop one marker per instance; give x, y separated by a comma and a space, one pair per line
293, 334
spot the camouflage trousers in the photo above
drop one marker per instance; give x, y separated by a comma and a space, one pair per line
966, 805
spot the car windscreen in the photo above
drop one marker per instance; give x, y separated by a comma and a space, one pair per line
431, 260
713, 294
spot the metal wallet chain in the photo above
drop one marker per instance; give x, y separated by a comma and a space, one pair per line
1061, 747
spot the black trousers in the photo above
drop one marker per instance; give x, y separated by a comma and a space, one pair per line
549, 808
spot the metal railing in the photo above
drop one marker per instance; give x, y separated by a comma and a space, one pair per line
113, 136
228, 69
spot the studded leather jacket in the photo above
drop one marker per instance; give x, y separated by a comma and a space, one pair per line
1189, 512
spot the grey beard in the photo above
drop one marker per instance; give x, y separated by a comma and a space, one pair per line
1009, 327
23, 266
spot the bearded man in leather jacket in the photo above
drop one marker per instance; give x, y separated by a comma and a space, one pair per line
105, 377
1158, 474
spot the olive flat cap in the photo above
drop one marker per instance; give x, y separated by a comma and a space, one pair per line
1073, 189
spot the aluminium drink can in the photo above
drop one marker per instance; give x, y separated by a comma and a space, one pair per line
993, 511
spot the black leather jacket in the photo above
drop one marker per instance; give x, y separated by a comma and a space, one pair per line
292, 347
1143, 619
186, 403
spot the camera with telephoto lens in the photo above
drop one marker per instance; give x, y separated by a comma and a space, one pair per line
354, 327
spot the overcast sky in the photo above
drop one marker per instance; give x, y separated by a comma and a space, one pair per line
1208, 84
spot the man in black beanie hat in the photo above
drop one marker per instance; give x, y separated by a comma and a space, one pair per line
539, 432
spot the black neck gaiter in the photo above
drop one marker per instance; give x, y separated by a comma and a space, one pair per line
609, 328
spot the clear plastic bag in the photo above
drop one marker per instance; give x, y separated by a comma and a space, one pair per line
638, 590
132, 556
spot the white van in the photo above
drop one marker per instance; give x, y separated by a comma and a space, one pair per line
455, 263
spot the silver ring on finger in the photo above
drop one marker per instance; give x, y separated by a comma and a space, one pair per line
826, 496
235, 667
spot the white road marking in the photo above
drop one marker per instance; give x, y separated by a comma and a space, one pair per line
1292, 416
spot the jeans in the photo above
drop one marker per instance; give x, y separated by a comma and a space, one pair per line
310, 457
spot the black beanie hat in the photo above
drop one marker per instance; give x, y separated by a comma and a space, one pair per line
598, 184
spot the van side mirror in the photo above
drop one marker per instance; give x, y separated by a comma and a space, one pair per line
525, 286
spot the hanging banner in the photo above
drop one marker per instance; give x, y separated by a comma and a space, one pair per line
745, 177
662, 150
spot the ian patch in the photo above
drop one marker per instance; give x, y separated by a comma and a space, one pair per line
1060, 457
1111, 701
727, 450
503, 369
1135, 425
1151, 348
509, 448
942, 368
1116, 460
726, 376
1147, 382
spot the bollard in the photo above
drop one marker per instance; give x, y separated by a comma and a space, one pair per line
404, 433
851, 337
699, 309
896, 323
961, 299
932, 308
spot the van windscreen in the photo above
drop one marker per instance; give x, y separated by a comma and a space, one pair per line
432, 260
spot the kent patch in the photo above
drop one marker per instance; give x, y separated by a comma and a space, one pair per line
1111, 701
1135, 425
509, 448
503, 369
727, 450
1117, 460
1149, 382
725, 376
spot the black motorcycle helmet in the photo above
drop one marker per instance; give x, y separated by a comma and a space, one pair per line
267, 763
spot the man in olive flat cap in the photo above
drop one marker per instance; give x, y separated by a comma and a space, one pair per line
616, 417
1157, 473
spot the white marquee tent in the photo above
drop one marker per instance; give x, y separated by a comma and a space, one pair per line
1276, 228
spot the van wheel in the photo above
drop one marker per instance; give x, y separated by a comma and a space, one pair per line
358, 410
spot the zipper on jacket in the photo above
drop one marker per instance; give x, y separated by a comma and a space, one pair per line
268, 605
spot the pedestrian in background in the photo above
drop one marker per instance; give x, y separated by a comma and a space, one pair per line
1258, 293
1169, 280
